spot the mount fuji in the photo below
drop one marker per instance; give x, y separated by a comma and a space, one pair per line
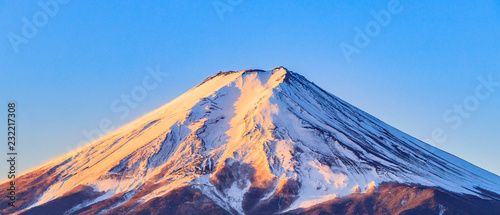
256, 142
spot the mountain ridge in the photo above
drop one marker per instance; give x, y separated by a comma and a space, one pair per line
244, 140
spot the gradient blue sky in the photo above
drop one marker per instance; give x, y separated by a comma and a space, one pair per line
426, 60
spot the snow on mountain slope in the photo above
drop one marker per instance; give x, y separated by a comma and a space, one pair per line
247, 135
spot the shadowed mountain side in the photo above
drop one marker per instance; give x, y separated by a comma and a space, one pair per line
403, 199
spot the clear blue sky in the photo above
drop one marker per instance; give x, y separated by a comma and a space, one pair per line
426, 59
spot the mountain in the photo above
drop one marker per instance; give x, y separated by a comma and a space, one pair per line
257, 142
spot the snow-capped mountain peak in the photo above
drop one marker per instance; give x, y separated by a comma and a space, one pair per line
245, 140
